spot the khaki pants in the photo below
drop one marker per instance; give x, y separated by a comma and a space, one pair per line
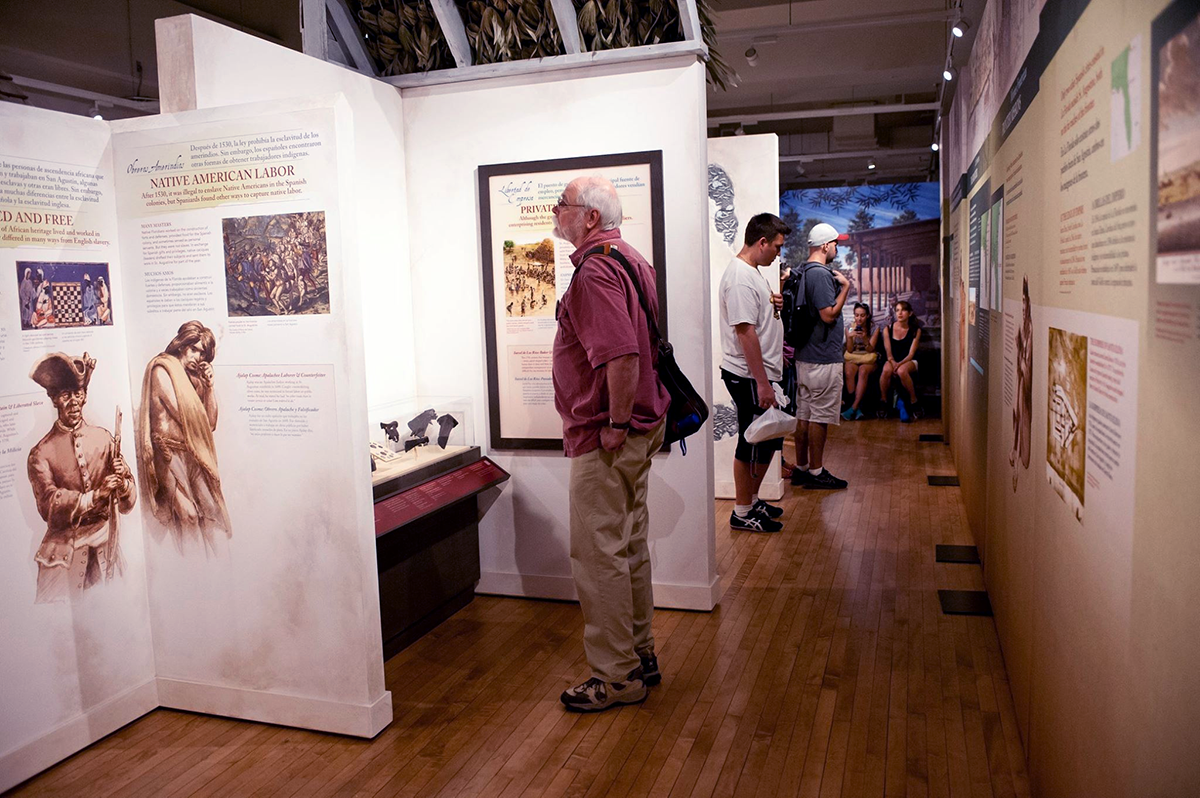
610, 556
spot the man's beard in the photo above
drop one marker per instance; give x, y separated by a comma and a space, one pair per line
566, 231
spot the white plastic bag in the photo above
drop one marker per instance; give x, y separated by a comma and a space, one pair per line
772, 423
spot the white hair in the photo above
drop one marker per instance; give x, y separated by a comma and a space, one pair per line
600, 194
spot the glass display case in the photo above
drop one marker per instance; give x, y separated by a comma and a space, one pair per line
413, 433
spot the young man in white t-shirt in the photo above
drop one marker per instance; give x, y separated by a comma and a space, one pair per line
752, 359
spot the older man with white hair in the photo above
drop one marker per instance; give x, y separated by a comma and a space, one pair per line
613, 407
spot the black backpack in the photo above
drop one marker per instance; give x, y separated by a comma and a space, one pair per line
687, 411
799, 317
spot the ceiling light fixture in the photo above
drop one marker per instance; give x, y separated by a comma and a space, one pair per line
960, 28
934, 146
948, 73
752, 56
740, 131
95, 112
871, 164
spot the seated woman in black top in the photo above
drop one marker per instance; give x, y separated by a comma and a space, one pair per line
900, 341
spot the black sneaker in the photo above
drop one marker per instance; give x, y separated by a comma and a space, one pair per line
597, 694
800, 476
769, 510
825, 481
650, 673
754, 523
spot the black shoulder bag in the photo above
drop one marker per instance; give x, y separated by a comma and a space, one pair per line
687, 412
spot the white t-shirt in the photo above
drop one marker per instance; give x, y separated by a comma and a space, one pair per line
745, 297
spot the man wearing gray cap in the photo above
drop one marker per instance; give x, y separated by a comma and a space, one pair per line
819, 358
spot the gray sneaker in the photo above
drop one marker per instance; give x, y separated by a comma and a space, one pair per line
595, 694
650, 673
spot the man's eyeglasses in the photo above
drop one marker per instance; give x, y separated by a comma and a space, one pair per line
562, 203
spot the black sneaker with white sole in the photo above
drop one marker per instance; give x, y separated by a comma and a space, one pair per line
753, 523
825, 481
769, 510
650, 673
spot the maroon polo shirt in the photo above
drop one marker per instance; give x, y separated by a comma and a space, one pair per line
599, 319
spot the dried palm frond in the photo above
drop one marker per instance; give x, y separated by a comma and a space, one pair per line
403, 36
510, 30
610, 24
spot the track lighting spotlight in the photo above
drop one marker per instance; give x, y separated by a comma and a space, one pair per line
934, 146
948, 73
741, 131
871, 164
960, 28
752, 56
95, 112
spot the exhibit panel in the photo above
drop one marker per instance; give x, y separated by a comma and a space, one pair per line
743, 180
524, 536
1089, 554
250, 381
77, 655
527, 270
203, 64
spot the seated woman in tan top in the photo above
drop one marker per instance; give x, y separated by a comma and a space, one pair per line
862, 357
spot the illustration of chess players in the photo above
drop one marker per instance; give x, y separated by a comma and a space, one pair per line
89, 301
27, 295
43, 310
175, 450
103, 303
80, 481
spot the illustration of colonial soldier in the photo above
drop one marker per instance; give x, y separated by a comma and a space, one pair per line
80, 481
176, 454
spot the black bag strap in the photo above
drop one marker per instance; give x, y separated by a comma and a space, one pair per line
610, 251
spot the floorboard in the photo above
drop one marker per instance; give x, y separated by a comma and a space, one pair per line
828, 670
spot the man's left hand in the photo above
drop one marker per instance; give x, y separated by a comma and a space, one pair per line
777, 301
612, 439
120, 467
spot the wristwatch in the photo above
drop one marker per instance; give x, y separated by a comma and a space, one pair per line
619, 425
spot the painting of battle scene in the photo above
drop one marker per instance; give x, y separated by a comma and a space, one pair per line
529, 279
52, 295
276, 265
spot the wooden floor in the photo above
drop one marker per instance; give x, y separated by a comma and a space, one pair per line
827, 670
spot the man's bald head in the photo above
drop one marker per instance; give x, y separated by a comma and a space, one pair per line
597, 193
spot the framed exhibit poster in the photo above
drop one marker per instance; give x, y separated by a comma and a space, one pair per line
526, 269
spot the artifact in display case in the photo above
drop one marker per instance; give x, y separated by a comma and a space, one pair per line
416, 432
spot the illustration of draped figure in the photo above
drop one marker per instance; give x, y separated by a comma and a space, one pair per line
175, 449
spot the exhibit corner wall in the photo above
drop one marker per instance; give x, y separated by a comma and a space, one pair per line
451, 130
203, 64
77, 665
269, 611
743, 180
1071, 165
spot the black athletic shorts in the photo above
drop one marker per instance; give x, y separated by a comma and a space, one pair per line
744, 393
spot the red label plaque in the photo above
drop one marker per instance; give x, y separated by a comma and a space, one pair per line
408, 506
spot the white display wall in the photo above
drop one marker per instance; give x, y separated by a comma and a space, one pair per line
81, 666
439, 135
524, 540
743, 180
202, 64
265, 606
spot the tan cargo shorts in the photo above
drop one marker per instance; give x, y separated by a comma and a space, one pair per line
820, 394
